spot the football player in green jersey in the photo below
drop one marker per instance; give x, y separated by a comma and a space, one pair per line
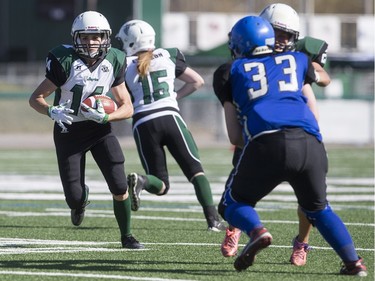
157, 123
75, 72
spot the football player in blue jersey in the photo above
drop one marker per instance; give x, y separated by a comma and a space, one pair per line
157, 123
75, 72
269, 117
285, 22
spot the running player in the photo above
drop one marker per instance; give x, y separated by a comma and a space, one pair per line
73, 73
157, 123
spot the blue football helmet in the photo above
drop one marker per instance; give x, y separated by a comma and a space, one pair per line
252, 36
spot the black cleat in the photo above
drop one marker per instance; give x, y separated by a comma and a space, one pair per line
136, 185
77, 215
129, 242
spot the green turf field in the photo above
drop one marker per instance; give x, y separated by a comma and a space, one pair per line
38, 242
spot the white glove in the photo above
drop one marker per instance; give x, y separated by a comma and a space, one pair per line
95, 114
60, 114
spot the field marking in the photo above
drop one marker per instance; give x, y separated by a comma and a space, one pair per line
17, 246
85, 275
41, 187
106, 214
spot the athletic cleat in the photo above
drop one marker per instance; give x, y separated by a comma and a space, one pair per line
129, 242
136, 185
299, 254
229, 246
77, 215
216, 226
354, 268
260, 239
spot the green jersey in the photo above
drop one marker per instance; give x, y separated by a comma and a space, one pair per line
76, 81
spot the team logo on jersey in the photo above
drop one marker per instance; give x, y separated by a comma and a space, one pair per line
77, 67
91, 79
104, 68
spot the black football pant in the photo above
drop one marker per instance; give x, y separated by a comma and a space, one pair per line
71, 149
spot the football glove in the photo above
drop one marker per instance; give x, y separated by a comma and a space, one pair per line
60, 114
95, 114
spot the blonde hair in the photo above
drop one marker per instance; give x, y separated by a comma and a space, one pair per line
144, 60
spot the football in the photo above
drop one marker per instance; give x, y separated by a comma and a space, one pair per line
109, 104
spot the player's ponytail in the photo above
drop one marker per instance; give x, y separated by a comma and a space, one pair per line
144, 60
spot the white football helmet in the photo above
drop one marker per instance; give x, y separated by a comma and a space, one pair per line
136, 36
283, 17
91, 22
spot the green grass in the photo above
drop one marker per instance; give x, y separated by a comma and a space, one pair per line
178, 247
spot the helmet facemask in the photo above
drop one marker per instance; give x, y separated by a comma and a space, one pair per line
291, 41
84, 49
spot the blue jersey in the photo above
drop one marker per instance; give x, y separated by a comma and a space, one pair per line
267, 92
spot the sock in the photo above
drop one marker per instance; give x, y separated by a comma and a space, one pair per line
154, 185
242, 216
334, 232
123, 216
203, 190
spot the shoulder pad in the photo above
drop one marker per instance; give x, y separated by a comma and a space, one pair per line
315, 48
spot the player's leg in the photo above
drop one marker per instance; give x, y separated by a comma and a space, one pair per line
108, 155
152, 156
153, 159
71, 163
312, 197
184, 150
244, 217
247, 185
229, 246
300, 242
337, 235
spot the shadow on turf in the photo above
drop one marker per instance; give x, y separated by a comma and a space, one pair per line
131, 266
59, 227
106, 227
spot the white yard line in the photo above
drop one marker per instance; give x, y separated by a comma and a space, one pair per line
105, 214
27, 246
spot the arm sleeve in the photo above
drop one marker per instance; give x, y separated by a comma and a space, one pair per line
54, 71
120, 75
181, 64
221, 83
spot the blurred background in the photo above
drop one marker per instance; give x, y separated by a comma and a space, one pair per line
199, 28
